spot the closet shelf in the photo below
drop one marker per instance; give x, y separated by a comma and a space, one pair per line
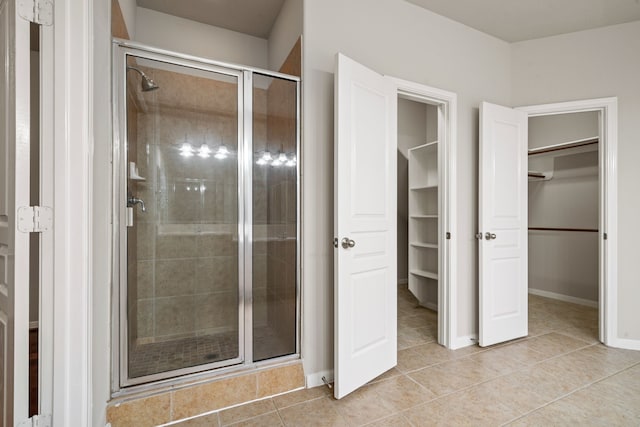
589, 230
424, 245
425, 273
564, 145
430, 216
539, 176
425, 187
433, 144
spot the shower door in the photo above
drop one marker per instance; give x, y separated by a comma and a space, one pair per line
206, 216
182, 305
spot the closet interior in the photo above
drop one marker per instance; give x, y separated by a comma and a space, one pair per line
564, 207
418, 201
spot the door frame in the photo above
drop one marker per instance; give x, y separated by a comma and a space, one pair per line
447, 204
608, 203
120, 384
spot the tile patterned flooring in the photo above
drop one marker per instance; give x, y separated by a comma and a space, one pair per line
559, 375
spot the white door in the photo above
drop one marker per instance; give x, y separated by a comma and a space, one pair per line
14, 193
502, 224
365, 225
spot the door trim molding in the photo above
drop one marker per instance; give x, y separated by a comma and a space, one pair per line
608, 221
447, 138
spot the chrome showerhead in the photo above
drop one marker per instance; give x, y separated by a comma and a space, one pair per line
147, 83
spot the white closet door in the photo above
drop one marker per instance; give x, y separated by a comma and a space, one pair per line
365, 225
503, 224
14, 193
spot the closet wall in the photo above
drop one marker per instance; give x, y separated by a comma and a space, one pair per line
417, 124
564, 263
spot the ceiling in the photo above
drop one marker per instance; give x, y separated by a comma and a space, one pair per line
509, 20
517, 20
245, 16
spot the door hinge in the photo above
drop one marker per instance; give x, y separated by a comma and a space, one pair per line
35, 219
37, 421
335, 242
37, 11
448, 235
604, 235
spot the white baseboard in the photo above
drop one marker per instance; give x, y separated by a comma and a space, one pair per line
315, 380
431, 306
466, 341
625, 343
403, 281
561, 297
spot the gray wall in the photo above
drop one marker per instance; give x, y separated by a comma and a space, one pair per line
562, 262
405, 41
593, 64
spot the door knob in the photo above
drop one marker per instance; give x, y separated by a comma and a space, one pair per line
489, 236
348, 243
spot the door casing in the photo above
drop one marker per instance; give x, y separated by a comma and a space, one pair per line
446, 102
608, 205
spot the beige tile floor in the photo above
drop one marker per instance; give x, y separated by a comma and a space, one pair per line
559, 375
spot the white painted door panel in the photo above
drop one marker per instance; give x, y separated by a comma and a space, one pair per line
14, 193
365, 212
503, 214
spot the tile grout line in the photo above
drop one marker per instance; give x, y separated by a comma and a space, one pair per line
487, 380
572, 392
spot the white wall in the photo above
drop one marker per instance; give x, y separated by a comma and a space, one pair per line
129, 10
190, 37
592, 64
402, 40
285, 33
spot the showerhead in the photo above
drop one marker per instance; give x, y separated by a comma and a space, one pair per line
147, 83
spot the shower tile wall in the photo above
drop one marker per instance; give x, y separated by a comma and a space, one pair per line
187, 263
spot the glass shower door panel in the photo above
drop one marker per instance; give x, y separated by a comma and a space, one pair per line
183, 301
275, 160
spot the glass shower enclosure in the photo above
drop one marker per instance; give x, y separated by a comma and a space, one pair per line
206, 215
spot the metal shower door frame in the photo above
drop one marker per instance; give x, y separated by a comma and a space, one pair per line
121, 383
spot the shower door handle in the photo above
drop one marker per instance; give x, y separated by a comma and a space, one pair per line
132, 201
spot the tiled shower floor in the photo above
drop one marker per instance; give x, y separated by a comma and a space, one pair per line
149, 359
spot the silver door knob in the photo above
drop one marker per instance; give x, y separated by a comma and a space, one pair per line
348, 243
489, 236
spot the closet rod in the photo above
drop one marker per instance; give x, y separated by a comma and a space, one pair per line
564, 146
594, 230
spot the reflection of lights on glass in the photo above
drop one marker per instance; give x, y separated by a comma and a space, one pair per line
265, 158
188, 188
202, 188
280, 160
222, 152
204, 151
186, 150
291, 162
